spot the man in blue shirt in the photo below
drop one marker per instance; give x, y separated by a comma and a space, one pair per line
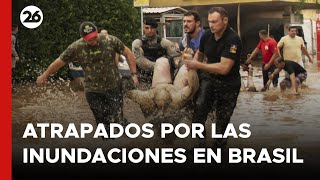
193, 31
191, 39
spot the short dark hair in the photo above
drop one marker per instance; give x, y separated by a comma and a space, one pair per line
263, 32
223, 13
290, 27
150, 21
279, 59
194, 14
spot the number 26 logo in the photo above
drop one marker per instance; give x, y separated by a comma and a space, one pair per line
31, 17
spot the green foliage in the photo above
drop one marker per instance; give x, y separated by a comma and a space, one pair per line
317, 5
60, 27
300, 6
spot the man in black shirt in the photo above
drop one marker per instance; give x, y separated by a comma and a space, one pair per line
219, 77
296, 74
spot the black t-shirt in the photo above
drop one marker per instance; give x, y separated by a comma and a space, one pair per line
228, 46
293, 67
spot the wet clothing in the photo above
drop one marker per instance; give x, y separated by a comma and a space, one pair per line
215, 94
103, 85
299, 79
187, 42
292, 67
219, 92
98, 62
106, 107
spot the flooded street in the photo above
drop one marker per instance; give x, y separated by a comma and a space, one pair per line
276, 119
280, 119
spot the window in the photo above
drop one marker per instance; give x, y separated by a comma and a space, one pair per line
174, 27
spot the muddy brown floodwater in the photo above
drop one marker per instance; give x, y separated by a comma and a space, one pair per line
276, 119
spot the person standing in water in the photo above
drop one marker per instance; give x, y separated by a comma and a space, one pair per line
103, 87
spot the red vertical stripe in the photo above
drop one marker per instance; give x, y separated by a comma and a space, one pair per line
5, 91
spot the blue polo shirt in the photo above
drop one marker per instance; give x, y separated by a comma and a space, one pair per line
186, 41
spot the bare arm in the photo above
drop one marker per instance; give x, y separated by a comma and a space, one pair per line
53, 67
274, 56
253, 54
275, 72
223, 67
130, 59
305, 51
199, 56
132, 63
281, 43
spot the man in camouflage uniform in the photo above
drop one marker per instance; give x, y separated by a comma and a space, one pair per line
151, 49
96, 55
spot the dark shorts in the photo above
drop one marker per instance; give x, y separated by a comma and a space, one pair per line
299, 78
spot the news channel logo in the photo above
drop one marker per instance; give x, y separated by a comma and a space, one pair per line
31, 17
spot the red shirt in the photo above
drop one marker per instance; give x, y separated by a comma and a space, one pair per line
268, 48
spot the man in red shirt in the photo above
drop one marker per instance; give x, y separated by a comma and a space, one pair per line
270, 51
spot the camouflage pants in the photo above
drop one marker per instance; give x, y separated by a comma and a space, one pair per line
214, 94
106, 107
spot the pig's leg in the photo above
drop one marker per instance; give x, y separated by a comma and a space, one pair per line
161, 72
